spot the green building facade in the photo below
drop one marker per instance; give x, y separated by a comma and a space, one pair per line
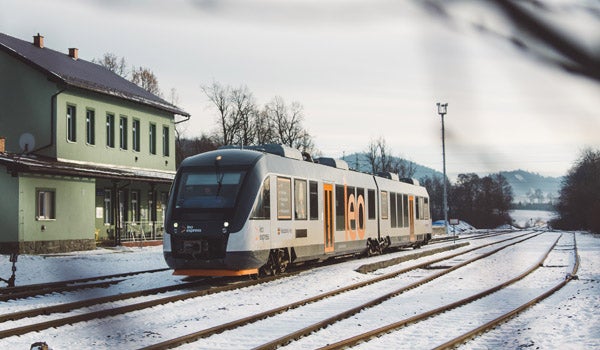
85, 155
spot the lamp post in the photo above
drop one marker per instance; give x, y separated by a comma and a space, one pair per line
442, 110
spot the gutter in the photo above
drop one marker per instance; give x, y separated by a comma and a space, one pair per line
187, 117
52, 121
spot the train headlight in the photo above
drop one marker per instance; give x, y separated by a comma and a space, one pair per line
226, 224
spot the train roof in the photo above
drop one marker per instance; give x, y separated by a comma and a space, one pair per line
223, 157
237, 156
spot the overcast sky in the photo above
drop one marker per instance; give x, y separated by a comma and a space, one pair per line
362, 69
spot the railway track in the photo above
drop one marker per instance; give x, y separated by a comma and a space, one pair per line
32, 290
32, 326
253, 319
465, 336
202, 286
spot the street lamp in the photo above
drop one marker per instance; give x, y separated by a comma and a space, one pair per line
442, 110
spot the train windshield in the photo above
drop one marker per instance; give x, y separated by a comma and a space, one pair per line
208, 190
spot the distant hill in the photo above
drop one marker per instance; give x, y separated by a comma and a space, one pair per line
524, 183
360, 162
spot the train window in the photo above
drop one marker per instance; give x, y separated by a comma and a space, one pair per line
393, 212
384, 205
208, 190
360, 207
284, 198
262, 208
351, 205
426, 208
418, 207
300, 199
400, 211
371, 204
313, 200
405, 209
340, 212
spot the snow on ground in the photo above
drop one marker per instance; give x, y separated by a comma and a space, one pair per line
531, 218
569, 319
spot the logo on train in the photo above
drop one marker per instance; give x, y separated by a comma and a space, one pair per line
190, 229
355, 215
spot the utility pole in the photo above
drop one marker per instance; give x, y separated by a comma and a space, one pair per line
442, 110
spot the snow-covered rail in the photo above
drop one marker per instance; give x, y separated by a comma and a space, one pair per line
31, 290
458, 318
309, 311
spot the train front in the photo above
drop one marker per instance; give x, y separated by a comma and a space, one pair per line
210, 200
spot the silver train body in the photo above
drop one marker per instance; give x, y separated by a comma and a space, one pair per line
238, 212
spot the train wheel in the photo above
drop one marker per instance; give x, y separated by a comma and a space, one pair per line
277, 263
373, 247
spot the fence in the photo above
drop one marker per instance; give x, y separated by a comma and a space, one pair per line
141, 231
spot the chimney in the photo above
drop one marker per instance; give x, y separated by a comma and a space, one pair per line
74, 53
38, 41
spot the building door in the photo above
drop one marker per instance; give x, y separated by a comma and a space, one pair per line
328, 217
411, 217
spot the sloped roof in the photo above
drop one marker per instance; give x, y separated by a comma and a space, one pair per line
15, 163
82, 74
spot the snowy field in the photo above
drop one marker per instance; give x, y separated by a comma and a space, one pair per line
530, 218
567, 320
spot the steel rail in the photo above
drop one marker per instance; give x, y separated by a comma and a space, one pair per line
348, 313
133, 307
47, 287
68, 288
416, 318
47, 310
254, 318
495, 322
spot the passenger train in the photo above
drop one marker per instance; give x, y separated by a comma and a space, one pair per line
235, 212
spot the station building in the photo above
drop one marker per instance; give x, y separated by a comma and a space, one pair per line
85, 155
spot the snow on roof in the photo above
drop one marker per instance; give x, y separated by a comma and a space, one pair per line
28, 163
82, 74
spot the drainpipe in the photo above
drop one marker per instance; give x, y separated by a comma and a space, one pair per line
52, 121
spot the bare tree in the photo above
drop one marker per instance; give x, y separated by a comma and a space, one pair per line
264, 129
245, 114
218, 95
372, 156
287, 122
404, 168
144, 78
379, 156
113, 63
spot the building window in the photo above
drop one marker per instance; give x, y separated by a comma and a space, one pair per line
90, 127
135, 206
45, 205
164, 198
152, 138
135, 133
110, 130
123, 132
165, 141
71, 123
108, 212
152, 205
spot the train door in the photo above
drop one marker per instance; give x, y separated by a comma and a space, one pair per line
328, 217
411, 218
